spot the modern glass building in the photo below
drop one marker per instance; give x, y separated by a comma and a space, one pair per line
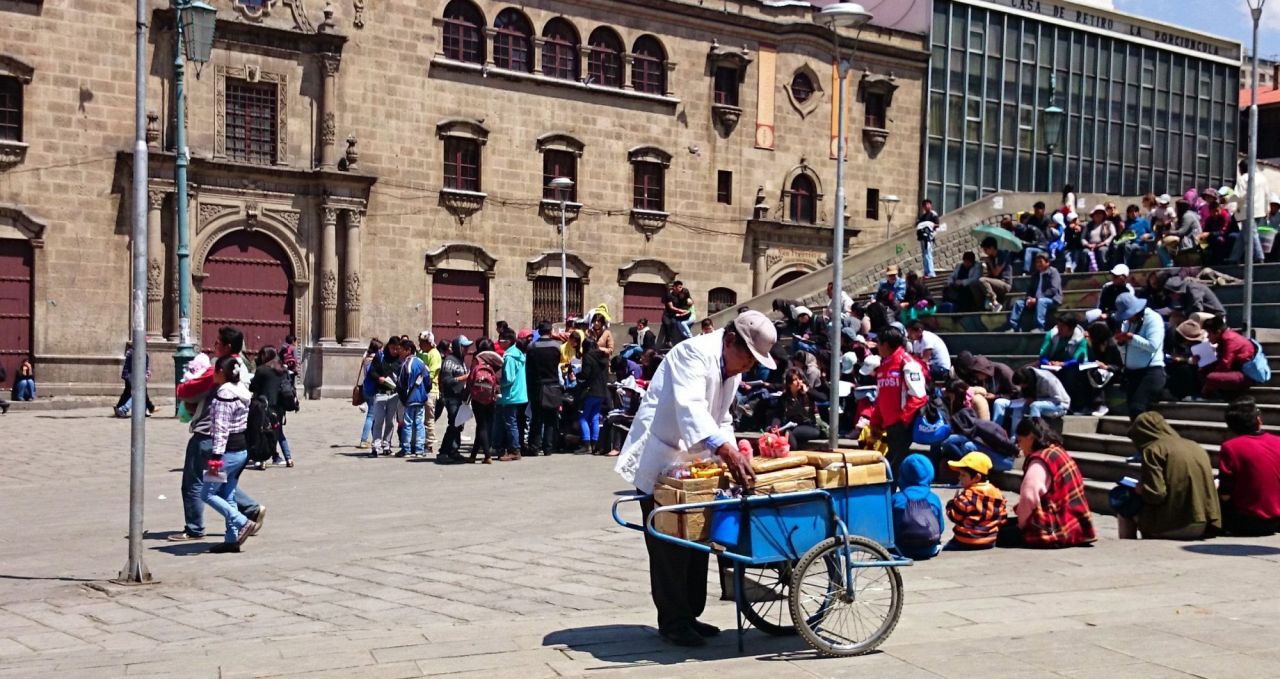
1148, 107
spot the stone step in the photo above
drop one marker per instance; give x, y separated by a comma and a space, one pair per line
1115, 445
1014, 343
1016, 361
1264, 315
1212, 411
1200, 432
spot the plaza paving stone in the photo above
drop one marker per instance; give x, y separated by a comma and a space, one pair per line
390, 568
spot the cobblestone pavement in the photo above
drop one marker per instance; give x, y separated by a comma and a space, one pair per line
391, 568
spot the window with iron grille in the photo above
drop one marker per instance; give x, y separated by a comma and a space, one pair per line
559, 164
801, 87
649, 66
462, 164
804, 205
10, 109
726, 85
604, 60
546, 297
873, 203
649, 186
463, 36
251, 121
876, 113
511, 43
724, 187
720, 299
560, 51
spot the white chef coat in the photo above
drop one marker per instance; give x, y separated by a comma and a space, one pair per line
688, 402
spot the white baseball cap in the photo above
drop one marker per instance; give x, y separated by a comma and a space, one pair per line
1120, 270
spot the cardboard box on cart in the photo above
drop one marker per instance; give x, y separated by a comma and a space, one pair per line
692, 525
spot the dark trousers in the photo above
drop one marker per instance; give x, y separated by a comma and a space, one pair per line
1239, 523
127, 393
453, 433
802, 434
898, 438
677, 578
544, 429
1182, 380
484, 426
1142, 388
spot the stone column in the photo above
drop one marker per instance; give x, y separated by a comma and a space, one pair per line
628, 64
329, 120
759, 269
489, 35
535, 55
351, 284
155, 266
329, 275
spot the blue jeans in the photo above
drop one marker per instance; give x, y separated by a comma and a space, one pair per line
1042, 307
284, 445
926, 255
589, 420
506, 427
199, 448
1016, 408
413, 433
368, 419
25, 389
221, 496
957, 445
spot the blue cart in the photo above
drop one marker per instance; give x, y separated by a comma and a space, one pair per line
821, 556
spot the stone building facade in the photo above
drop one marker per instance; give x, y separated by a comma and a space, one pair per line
363, 167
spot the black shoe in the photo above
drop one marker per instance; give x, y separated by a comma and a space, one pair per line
683, 636
4, 407
225, 548
704, 630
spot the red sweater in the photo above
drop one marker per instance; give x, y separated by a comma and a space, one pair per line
1249, 473
1233, 352
901, 391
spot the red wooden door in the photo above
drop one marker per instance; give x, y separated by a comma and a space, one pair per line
15, 305
458, 304
247, 286
643, 300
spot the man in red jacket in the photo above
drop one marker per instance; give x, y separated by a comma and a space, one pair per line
1224, 377
901, 392
1249, 473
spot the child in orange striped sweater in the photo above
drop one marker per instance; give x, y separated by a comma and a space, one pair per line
978, 510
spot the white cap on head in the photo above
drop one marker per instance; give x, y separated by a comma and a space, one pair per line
759, 334
1120, 270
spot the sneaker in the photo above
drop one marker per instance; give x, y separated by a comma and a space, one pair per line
997, 307
225, 548
259, 519
259, 466
184, 536
277, 462
363, 445
248, 530
1101, 412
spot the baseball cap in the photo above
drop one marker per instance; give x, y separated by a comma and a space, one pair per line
464, 341
869, 364
426, 336
1098, 208
1120, 270
1164, 199
975, 461
804, 310
1092, 315
757, 330
525, 333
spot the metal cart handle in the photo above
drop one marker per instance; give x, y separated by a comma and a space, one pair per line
623, 522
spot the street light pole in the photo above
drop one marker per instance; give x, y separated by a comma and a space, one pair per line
562, 185
890, 203
1052, 117
836, 16
135, 571
1255, 10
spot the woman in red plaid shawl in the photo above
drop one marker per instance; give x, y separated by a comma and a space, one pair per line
1052, 509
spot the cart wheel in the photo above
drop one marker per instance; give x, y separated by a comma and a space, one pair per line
764, 595
845, 619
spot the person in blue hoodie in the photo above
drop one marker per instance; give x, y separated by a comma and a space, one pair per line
414, 388
917, 512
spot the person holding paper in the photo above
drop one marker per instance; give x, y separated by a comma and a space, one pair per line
1224, 377
1141, 337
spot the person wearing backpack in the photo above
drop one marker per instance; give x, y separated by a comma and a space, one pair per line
228, 421
483, 390
1225, 378
268, 382
453, 393
917, 512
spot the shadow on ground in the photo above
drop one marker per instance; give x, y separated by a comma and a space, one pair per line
1228, 549
640, 645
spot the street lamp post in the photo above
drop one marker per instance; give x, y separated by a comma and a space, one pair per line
890, 203
835, 17
562, 186
194, 22
1052, 116
1255, 10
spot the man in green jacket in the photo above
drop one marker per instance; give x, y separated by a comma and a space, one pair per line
1179, 500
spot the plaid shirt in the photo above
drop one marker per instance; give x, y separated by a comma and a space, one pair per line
977, 512
1063, 518
228, 414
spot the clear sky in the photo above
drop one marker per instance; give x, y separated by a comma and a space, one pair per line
1228, 18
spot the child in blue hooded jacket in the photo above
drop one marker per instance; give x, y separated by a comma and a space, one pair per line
917, 512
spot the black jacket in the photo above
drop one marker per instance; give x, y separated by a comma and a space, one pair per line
453, 378
594, 378
266, 382
543, 362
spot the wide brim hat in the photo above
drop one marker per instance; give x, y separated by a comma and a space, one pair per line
1129, 305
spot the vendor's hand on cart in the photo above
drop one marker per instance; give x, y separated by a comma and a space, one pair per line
738, 464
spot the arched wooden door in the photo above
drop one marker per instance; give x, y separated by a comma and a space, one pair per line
247, 285
16, 266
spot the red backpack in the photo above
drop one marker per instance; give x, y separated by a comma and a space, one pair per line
484, 384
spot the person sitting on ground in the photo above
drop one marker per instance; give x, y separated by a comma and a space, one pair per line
1041, 395
796, 408
881, 312
1098, 236
643, 336
970, 433
1044, 294
917, 511
1064, 349
1134, 243
1186, 226
986, 378
24, 384
919, 301
961, 282
893, 284
1118, 285
977, 511
803, 327
1052, 509
1103, 376
1179, 501
1033, 232
931, 350
807, 365
993, 285
1225, 378
1249, 473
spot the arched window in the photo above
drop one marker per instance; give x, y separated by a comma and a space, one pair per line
804, 204
511, 43
560, 50
802, 87
463, 32
649, 66
604, 60
720, 299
